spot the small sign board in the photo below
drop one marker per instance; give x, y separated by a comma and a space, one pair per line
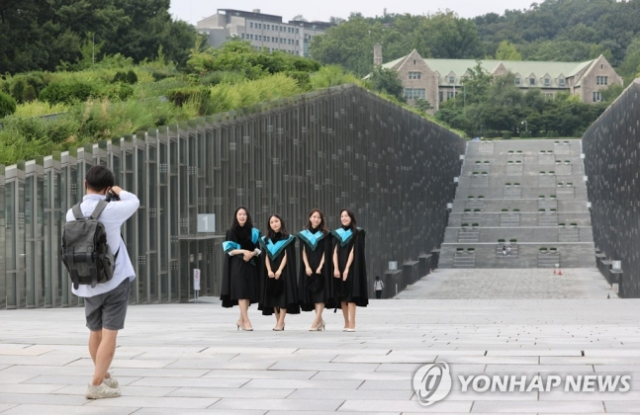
617, 265
206, 222
196, 279
393, 265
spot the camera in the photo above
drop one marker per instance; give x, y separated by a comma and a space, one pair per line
112, 196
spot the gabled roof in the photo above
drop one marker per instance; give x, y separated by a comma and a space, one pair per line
460, 66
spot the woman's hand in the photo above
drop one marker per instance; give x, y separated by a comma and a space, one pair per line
246, 255
345, 274
309, 271
319, 270
277, 274
271, 274
336, 273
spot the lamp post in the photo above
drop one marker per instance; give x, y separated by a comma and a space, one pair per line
525, 126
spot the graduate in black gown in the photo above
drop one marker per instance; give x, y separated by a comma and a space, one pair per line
314, 277
280, 289
350, 285
240, 284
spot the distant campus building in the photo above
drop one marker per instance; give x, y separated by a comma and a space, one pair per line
437, 80
262, 30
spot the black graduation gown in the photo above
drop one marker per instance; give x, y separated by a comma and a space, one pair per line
355, 288
240, 278
310, 290
281, 293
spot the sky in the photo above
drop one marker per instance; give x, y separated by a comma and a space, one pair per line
194, 10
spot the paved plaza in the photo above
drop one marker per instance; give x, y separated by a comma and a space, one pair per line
189, 358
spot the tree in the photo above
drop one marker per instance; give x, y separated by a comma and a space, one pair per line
299, 18
40, 34
451, 37
507, 51
349, 45
387, 81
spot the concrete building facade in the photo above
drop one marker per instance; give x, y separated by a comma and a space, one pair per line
261, 30
438, 80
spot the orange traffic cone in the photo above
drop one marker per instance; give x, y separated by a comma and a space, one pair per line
559, 271
554, 271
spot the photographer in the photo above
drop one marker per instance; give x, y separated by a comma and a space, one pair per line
106, 302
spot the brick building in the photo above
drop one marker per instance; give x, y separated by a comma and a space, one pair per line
437, 80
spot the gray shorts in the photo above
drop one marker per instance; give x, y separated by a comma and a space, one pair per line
108, 310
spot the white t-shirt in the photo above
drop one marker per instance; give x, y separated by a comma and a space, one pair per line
113, 216
378, 285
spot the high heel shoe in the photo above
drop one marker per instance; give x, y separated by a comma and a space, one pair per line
319, 327
241, 326
277, 329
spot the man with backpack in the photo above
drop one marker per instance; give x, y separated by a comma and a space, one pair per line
100, 269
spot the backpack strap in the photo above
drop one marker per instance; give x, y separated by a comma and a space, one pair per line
77, 213
98, 210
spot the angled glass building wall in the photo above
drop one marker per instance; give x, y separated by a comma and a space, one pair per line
341, 147
612, 165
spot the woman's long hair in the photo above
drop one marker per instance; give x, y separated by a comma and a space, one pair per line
283, 229
353, 224
235, 226
322, 226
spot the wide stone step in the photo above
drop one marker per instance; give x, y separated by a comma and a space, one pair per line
548, 260
510, 219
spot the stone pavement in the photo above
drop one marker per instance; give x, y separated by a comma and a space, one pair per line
523, 283
189, 358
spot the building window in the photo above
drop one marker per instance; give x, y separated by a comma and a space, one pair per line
549, 96
414, 75
602, 80
243, 35
547, 82
517, 81
452, 79
440, 96
414, 93
259, 25
414, 61
597, 97
532, 81
297, 31
450, 94
561, 81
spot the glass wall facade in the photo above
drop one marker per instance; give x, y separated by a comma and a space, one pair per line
612, 166
341, 147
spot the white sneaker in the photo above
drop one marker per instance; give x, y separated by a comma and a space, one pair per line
111, 382
101, 391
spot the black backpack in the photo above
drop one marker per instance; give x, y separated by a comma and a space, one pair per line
85, 251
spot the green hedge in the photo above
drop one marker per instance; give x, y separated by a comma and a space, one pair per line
7, 105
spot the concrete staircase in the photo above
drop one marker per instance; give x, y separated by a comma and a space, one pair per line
528, 195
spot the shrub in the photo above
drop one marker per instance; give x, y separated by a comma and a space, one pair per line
302, 78
132, 78
7, 105
506, 135
39, 108
196, 96
17, 89
29, 94
67, 91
